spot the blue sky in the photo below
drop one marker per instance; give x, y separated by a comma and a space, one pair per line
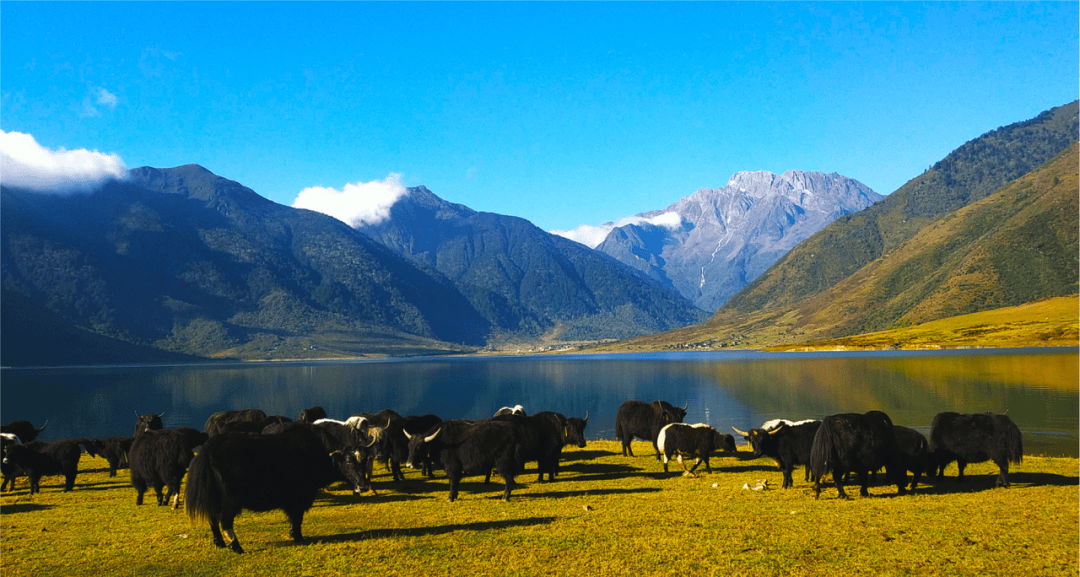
562, 113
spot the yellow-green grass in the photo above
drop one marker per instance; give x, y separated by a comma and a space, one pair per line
1051, 322
605, 515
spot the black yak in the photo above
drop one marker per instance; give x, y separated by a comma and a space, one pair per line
788, 445
644, 420
160, 459
464, 448
261, 473
40, 459
854, 442
974, 438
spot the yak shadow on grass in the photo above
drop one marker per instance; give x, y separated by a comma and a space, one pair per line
586, 493
426, 531
585, 455
987, 482
25, 508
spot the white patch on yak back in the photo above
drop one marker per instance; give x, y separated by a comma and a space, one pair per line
661, 438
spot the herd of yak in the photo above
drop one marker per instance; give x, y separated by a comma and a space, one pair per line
247, 460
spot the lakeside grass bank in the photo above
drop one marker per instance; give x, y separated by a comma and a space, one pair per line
605, 515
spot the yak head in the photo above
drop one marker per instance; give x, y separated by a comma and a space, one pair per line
355, 465
418, 447
759, 439
148, 422
575, 430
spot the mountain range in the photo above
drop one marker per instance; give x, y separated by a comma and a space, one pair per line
716, 241
524, 281
184, 261
993, 224
169, 265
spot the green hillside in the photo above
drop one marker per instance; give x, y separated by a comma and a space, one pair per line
1015, 246
970, 173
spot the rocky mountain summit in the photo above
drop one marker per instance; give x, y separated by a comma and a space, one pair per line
725, 237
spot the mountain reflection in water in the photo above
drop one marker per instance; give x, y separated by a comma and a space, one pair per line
1036, 387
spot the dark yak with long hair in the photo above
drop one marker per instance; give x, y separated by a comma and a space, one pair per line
974, 438
464, 448
860, 443
237, 471
160, 459
645, 420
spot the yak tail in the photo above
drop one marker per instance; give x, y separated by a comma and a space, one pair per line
202, 496
1014, 446
821, 450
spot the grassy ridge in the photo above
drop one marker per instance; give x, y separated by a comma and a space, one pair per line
1052, 322
606, 515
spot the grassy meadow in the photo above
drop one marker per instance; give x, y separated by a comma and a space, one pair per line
605, 515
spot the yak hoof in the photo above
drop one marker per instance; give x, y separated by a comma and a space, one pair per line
236, 548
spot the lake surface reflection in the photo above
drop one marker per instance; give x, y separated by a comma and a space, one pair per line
1037, 387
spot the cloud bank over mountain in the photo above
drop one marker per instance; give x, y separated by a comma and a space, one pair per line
26, 164
592, 236
355, 204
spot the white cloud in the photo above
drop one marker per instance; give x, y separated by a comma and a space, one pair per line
26, 164
592, 236
355, 204
106, 98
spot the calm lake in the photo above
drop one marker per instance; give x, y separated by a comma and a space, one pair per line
1037, 387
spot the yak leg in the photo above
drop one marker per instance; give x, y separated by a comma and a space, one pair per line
698, 463
219, 541
686, 472
455, 478
296, 519
960, 464
173, 494
227, 526
864, 480
69, 482
506, 471
1003, 474
788, 482
706, 460
838, 480
140, 487
666, 457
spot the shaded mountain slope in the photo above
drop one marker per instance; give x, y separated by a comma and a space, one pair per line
186, 261
525, 281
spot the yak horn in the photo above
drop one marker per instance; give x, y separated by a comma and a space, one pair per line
776, 430
433, 435
586, 416
407, 435
743, 433
43, 426
687, 405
